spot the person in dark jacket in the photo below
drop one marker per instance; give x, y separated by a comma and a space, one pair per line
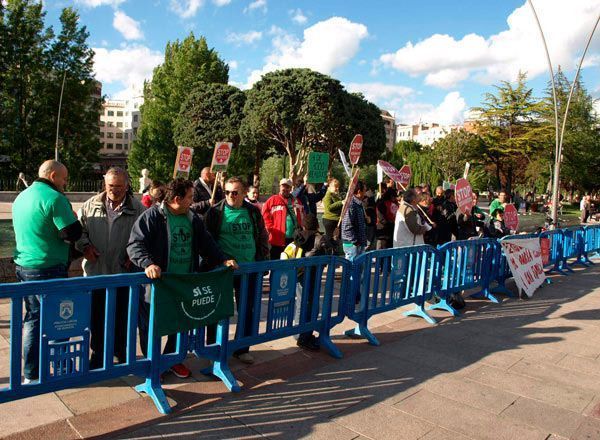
354, 227
203, 187
152, 248
312, 243
309, 198
386, 209
448, 226
239, 229
497, 228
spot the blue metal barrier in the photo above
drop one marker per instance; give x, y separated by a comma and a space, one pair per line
555, 245
289, 309
466, 264
572, 247
591, 243
390, 278
65, 334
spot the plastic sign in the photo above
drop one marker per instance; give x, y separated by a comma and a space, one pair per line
221, 156
464, 196
405, 175
545, 248
511, 218
183, 162
356, 149
389, 170
349, 194
318, 166
345, 163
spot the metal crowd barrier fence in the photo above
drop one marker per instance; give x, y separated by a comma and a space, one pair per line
386, 279
501, 267
552, 242
572, 247
591, 243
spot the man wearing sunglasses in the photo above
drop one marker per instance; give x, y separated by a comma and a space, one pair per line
238, 228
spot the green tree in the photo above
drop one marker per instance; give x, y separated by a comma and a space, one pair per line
512, 130
453, 151
186, 64
212, 113
295, 109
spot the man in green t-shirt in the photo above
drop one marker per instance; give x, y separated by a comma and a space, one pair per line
171, 238
44, 224
240, 231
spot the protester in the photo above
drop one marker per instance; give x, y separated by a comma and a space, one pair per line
332, 208
448, 225
497, 228
44, 224
170, 237
408, 226
306, 194
585, 207
472, 224
239, 230
203, 189
155, 194
282, 214
107, 220
252, 197
311, 243
500, 201
386, 209
354, 229
371, 217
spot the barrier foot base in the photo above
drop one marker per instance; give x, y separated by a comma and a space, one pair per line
486, 294
327, 343
361, 331
566, 267
558, 271
223, 372
157, 395
593, 255
444, 305
503, 290
420, 313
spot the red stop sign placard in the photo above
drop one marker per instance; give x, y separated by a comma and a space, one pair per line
356, 149
221, 156
405, 175
511, 219
464, 196
185, 159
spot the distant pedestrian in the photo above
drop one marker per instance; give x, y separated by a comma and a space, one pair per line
252, 197
585, 207
44, 224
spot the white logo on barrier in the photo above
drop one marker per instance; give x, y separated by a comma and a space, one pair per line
66, 309
283, 281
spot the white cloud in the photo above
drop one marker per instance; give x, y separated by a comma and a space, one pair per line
343, 39
246, 38
386, 96
298, 16
96, 3
450, 111
186, 8
127, 26
233, 64
445, 61
128, 66
220, 3
255, 5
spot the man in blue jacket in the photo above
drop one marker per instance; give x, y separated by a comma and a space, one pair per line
354, 225
170, 237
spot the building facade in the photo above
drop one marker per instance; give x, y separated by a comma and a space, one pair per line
119, 123
389, 123
425, 134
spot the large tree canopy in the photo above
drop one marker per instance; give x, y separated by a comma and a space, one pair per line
187, 63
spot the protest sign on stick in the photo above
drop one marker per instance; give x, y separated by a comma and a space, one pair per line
524, 258
318, 165
219, 163
356, 149
345, 163
511, 217
405, 176
183, 162
348, 198
464, 196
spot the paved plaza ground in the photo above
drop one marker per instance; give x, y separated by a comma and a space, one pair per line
524, 369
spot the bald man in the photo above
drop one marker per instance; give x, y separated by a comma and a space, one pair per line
203, 187
44, 224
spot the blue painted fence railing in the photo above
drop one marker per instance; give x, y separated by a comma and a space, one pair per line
277, 299
386, 279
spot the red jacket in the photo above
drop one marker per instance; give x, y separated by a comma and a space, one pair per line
274, 212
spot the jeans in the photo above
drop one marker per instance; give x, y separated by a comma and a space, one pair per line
31, 322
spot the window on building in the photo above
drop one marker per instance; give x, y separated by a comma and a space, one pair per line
126, 135
126, 124
125, 146
119, 135
119, 146
120, 124
119, 113
101, 123
109, 135
135, 131
110, 124
101, 134
109, 146
110, 113
135, 118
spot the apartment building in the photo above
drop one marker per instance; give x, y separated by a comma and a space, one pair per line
389, 123
119, 123
425, 134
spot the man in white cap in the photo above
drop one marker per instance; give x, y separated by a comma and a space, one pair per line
283, 215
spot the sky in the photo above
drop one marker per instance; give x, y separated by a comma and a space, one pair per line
428, 61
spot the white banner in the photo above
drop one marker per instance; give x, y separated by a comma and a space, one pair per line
524, 258
345, 163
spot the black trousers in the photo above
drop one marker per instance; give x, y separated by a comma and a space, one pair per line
97, 325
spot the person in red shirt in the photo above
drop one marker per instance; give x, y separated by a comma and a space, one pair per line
283, 215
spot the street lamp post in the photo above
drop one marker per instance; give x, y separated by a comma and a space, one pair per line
559, 140
62, 89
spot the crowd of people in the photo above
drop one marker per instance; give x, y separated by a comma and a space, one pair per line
184, 226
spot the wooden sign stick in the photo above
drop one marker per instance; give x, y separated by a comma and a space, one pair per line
214, 191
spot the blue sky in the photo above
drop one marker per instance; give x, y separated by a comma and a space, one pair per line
427, 60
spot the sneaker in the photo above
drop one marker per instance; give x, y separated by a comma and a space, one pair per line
246, 358
311, 343
181, 371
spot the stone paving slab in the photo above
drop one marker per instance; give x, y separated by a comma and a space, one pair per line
522, 369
